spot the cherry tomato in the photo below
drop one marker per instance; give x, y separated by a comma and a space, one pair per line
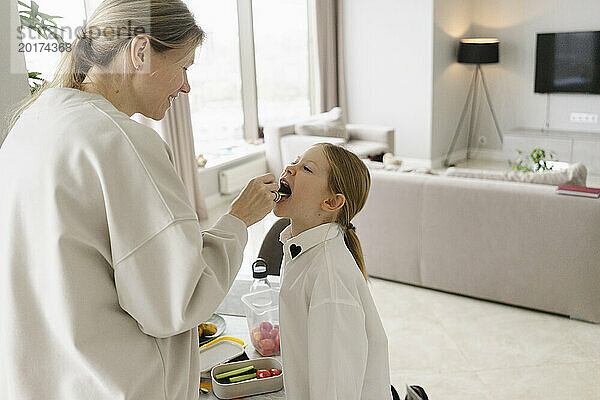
274, 372
263, 373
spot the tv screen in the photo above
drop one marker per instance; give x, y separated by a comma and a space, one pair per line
568, 62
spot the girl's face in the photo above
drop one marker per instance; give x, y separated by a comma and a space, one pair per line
310, 202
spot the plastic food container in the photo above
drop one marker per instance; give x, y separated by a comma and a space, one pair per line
262, 315
251, 387
219, 351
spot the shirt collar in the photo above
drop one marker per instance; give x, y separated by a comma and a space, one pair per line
294, 246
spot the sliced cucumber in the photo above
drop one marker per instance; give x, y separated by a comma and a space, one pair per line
240, 378
234, 372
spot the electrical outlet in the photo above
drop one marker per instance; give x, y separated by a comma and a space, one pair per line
584, 118
482, 140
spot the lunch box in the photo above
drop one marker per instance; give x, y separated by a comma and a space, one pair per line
251, 387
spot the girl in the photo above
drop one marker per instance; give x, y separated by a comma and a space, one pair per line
333, 344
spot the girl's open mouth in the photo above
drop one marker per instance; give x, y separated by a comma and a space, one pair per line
284, 190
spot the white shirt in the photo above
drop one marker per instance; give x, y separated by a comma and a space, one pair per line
333, 344
104, 270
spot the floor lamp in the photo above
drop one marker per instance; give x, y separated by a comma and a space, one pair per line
475, 51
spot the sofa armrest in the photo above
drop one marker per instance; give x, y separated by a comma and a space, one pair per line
273, 135
373, 133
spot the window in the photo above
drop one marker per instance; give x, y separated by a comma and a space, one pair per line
215, 78
251, 70
281, 49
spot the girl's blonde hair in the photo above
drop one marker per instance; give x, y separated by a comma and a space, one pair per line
168, 24
349, 176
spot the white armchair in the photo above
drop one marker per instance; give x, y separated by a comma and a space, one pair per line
283, 145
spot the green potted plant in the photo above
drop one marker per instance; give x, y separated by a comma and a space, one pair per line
536, 161
46, 26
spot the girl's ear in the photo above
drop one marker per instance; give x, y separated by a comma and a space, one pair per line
333, 203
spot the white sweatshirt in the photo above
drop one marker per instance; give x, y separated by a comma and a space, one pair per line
333, 344
104, 270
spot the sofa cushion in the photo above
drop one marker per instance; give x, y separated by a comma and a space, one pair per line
574, 174
329, 124
364, 148
294, 145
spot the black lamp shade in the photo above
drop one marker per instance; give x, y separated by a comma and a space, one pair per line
478, 51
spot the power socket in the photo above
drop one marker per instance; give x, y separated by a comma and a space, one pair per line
584, 118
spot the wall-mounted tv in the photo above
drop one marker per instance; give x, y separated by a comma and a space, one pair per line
568, 62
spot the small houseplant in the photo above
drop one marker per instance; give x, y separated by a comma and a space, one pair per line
46, 26
535, 161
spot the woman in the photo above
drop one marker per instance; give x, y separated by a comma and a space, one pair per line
104, 270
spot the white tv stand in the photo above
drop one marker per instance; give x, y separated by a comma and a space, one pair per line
569, 146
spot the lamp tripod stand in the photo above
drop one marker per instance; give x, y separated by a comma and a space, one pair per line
472, 101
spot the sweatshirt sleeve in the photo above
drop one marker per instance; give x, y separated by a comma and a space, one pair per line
179, 276
337, 347
169, 274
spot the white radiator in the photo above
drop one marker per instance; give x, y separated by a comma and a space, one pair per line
234, 179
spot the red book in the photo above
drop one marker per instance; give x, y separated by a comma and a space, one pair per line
574, 190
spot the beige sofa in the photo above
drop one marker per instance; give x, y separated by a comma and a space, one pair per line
511, 242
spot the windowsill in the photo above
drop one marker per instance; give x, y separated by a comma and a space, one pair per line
238, 154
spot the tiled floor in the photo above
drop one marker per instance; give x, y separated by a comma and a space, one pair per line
462, 348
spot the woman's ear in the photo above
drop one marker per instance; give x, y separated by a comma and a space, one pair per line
139, 52
333, 203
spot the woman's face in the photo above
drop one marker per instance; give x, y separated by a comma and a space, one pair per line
307, 177
164, 78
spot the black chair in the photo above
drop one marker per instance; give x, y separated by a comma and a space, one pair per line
271, 250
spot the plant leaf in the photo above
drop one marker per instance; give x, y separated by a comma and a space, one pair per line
34, 9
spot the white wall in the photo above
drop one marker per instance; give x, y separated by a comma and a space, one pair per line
13, 81
511, 82
394, 78
388, 47
452, 20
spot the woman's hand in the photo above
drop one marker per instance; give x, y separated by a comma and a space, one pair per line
256, 200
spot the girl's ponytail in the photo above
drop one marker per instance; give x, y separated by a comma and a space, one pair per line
353, 244
349, 176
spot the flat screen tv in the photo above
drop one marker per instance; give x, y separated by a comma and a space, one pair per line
568, 62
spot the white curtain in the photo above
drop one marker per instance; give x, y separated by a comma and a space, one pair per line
176, 129
329, 54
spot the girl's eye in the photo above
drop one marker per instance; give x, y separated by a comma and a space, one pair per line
307, 169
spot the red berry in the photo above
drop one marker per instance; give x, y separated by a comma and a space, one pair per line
274, 372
